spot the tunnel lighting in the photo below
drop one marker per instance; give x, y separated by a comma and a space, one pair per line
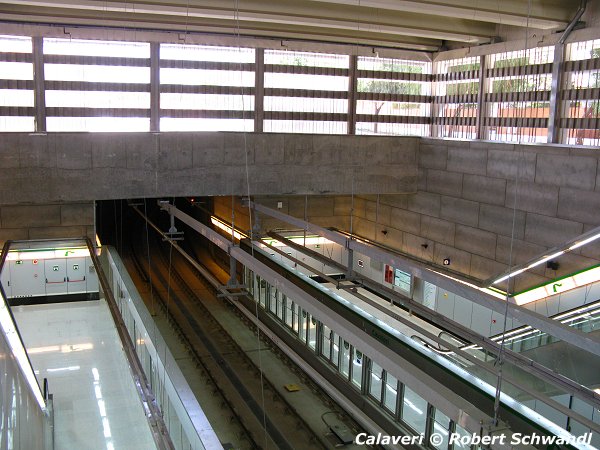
309, 240
226, 228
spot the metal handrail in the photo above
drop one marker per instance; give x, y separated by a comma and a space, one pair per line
152, 411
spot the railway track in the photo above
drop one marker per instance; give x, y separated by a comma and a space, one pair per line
267, 420
239, 435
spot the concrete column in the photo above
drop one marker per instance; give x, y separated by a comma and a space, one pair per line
259, 90
481, 104
154, 86
38, 83
352, 86
555, 103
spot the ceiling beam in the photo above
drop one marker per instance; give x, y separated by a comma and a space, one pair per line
544, 14
229, 27
267, 15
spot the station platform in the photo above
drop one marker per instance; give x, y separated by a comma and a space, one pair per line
75, 346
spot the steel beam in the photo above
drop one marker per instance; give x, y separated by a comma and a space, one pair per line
463, 287
456, 407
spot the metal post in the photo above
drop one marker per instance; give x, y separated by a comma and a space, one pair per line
232, 272
350, 271
259, 90
555, 103
481, 104
352, 87
38, 83
172, 228
154, 86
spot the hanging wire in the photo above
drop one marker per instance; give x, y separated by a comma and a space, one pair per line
152, 309
500, 358
251, 232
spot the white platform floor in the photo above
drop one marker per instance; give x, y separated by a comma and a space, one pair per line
76, 347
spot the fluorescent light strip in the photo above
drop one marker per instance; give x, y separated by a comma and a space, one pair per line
545, 259
512, 274
226, 228
21, 255
584, 242
548, 258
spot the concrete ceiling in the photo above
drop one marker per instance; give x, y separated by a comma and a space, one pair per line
410, 24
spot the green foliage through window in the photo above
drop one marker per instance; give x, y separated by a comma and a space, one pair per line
511, 62
464, 67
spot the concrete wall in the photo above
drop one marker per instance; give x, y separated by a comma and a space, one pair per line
43, 168
463, 209
47, 221
431, 198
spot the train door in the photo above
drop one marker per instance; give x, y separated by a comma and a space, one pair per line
5, 280
56, 276
27, 278
76, 275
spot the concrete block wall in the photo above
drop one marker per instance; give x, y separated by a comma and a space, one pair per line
68, 167
326, 211
466, 209
47, 221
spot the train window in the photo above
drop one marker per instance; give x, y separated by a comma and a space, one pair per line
461, 432
414, 410
326, 343
312, 333
390, 392
441, 423
375, 384
345, 359
357, 362
335, 348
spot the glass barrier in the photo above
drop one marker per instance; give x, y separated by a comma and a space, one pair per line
187, 425
26, 416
